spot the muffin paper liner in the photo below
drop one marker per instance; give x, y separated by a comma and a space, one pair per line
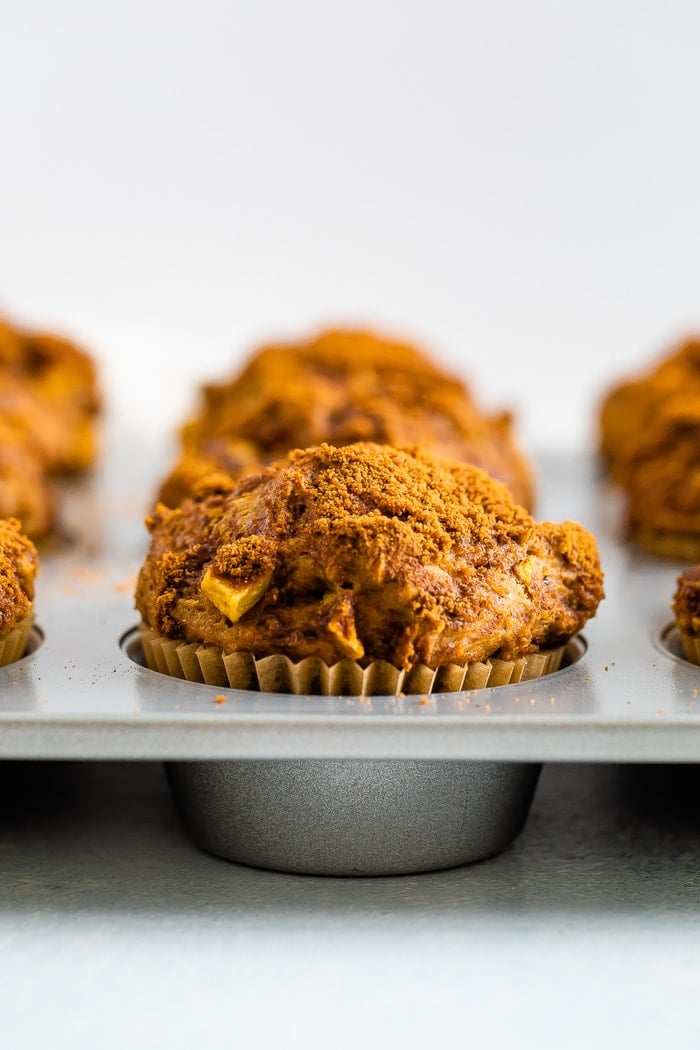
691, 647
195, 662
12, 646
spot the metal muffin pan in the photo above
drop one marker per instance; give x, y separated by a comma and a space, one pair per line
342, 784
353, 816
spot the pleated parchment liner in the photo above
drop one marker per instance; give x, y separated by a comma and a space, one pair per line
278, 674
13, 645
691, 647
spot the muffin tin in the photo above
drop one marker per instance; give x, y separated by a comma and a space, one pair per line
342, 784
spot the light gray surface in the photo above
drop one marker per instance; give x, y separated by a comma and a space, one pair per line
115, 931
79, 695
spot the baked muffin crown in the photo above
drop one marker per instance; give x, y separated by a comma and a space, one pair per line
367, 552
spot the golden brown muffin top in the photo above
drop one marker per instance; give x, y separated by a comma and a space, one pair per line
51, 364
367, 552
342, 387
686, 600
18, 568
353, 368
650, 436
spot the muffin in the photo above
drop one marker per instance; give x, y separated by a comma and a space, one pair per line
650, 438
341, 387
24, 487
48, 407
18, 568
362, 569
686, 611
49, 385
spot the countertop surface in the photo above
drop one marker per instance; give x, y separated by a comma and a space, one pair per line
115, 929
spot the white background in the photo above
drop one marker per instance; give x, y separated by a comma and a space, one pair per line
517, 186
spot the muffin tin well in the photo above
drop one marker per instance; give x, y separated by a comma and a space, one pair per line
626, 695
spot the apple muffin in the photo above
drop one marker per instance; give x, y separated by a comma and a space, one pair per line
49, 402
340, 388
49, 385
359, 556
650, 439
